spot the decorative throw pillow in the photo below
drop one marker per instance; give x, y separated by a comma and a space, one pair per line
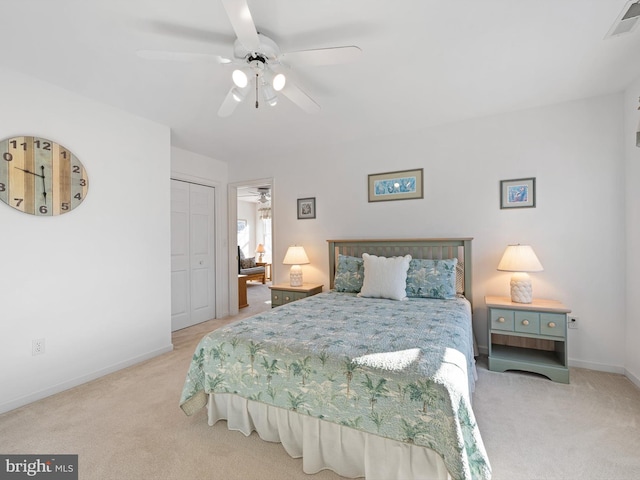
385, 277
349, 274
248, 262
432, 278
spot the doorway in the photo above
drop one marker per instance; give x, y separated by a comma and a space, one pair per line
251, 217
193, 276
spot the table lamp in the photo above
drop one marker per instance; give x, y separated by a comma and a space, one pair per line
260, 251
520, 259
295, 257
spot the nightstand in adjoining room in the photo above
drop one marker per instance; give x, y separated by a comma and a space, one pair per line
530, 337
284, 293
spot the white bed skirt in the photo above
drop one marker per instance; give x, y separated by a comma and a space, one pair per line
323, 445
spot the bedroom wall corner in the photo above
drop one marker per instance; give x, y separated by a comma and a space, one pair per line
94, 283
632, 204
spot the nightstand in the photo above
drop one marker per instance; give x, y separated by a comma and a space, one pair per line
284, 293
530, 337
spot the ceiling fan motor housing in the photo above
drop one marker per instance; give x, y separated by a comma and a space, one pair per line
266, 52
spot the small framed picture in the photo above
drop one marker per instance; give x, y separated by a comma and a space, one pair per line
518, 193
403, 185
306, 208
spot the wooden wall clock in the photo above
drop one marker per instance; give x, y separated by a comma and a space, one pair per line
40, 177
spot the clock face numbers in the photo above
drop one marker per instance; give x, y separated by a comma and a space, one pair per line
40, 177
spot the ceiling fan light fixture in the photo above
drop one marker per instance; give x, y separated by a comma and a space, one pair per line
240, 78
239, 94
279, 81
269, 95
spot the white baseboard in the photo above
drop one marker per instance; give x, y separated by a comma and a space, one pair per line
600, 367
635, 380
74, 382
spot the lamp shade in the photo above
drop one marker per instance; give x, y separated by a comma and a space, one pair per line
260, 248
295, 256
519, 258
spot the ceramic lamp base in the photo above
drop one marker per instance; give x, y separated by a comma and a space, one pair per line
295, 276
521, 291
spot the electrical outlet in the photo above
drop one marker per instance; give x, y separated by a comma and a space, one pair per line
573, 322
37, 346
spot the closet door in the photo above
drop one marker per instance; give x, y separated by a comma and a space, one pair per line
192, 254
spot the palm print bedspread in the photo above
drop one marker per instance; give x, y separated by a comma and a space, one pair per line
399, 369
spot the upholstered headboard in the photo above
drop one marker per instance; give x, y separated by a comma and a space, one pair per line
425, 248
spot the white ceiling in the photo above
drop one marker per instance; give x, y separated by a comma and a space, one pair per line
423, 62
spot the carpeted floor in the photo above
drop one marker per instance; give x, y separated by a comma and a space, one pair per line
128, 425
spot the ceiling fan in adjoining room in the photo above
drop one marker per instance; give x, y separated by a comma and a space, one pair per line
260, 65
261, 195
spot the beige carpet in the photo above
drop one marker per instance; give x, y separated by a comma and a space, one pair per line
128, 425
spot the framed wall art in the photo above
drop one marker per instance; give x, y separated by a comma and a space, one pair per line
307, 208
518, 193
401, 185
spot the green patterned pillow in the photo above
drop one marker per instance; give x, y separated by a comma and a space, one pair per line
432, 278
349, 274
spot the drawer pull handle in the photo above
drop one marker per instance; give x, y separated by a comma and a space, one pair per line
552, 324
525, 322
501, 320
287, 298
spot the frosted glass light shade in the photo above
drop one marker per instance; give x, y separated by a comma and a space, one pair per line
240, 78
520, 259
279, 82
295, 256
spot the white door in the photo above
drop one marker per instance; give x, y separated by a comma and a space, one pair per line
192, 254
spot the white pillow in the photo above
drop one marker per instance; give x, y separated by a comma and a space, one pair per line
385, 277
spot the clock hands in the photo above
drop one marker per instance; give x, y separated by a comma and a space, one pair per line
44, 185
29, 171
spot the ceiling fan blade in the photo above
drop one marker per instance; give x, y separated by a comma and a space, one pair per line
228, 106
322, 56
181, 56
297, 96
242, 23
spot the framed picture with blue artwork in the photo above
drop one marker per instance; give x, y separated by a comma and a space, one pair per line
518, 193
402, 185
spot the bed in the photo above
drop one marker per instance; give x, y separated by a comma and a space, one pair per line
352, 380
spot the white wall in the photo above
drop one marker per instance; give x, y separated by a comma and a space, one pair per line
577, 229
196, 168
94, 282
632, 178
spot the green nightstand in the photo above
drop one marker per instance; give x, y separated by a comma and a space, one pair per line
284, 293
530, 337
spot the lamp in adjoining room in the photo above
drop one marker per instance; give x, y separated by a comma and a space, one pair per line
260, 251
295, 257
520, 259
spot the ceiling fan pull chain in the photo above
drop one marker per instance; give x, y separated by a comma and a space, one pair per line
256, 90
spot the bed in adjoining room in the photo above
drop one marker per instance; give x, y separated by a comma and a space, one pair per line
356, 380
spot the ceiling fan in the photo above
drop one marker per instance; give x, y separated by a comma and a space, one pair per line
263, 194
261, 66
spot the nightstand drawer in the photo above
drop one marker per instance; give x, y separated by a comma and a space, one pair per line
276, 297
502, 320
292, 296
553, 324
282, 294
527, 322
